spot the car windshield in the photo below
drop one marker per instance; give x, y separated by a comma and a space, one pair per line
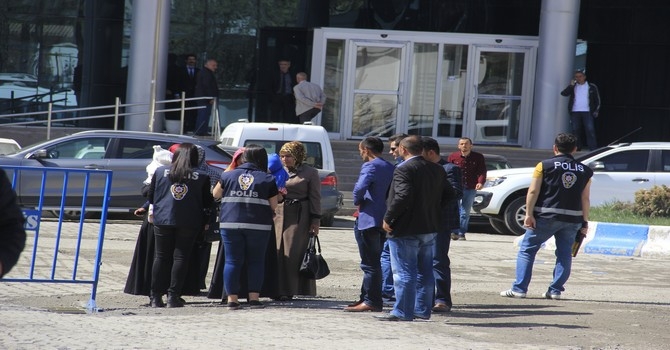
588, 155
314, 152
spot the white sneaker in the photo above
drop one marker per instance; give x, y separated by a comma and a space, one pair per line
548, 295
512, 294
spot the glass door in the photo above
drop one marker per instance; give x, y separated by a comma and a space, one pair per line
376, 89
497, 98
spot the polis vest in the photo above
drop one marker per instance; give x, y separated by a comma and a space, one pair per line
563, 180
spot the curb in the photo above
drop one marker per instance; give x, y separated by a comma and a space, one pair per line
621, 240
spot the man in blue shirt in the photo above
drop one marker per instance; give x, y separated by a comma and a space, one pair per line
370, 197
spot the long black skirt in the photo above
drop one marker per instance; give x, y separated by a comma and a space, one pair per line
269, 289
139, 276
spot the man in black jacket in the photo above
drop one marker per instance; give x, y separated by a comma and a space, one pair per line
418, 193
12, 234
206, 86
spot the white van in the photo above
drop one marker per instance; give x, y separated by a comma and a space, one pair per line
272, 137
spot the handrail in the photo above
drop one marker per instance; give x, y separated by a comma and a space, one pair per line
116, 114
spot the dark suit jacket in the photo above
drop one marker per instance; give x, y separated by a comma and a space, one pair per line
185, 82
206, 85
276, 79
451, 216
418, 193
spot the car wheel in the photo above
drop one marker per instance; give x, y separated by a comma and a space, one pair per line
327, 220
514, 216
499, 226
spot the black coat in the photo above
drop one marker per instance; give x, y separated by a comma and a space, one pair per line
12, 235
206, 85
419, 191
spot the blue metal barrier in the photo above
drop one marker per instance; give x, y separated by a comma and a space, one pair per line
25, 177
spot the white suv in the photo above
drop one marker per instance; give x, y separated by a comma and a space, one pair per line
619, 171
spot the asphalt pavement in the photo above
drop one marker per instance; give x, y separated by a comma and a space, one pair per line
610, 303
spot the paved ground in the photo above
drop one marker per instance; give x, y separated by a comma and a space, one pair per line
610, 303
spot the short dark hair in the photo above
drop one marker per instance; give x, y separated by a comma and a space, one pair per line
565, 143
374, 144
412, 144
256, 155
397, 138
430, 144
465, 138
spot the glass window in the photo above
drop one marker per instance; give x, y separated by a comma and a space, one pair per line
665, 160
332, 85
626, 161
424, 82
377, 68
139, 149
454, 70
89, 148
314, 152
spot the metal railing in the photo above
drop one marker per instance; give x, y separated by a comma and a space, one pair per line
118, 111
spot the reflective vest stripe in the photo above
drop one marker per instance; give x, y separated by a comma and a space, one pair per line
245, 200
241, 225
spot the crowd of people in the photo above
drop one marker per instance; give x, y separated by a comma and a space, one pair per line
268, 207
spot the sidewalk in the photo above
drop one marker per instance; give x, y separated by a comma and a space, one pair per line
601, 290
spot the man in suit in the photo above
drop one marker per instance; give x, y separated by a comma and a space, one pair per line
282, 104
418, 193
450, 220
370, 195
206, 86
186, 80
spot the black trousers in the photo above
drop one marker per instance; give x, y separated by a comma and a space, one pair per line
173, 248
283, 109
308, 115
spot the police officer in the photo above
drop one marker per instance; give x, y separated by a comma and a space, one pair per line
557, 204
180, 193
249, 201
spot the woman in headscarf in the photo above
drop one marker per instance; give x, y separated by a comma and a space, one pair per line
297, 218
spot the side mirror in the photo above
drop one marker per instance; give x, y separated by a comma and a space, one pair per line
39, 154
597, 166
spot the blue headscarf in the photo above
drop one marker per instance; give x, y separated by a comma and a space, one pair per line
277, 169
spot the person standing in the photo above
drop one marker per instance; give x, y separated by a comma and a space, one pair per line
12, 234
387, 273
369, 195
417, 194
584, 107
473, 167
450, 221
180, 194
282, 103
206, 86
298, 217
309, 98
186, 81
557, 204
249, 200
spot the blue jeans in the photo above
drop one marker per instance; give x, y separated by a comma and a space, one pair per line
387, 273
464, 210
244, 246
564, 234
412, 262
577, 119
202, 122
442, 269
370, 242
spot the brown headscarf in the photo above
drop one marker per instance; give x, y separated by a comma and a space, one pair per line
295, 149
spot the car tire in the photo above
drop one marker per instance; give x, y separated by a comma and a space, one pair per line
327, 220
514, 216
499, 226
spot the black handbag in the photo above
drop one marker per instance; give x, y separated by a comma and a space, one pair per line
313, 264
212, 233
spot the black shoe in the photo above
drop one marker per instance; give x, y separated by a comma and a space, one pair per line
255, 304
157, 302
233, 306
389, 317
175, 301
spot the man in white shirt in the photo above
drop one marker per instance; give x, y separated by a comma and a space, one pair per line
584, 106
309, 98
